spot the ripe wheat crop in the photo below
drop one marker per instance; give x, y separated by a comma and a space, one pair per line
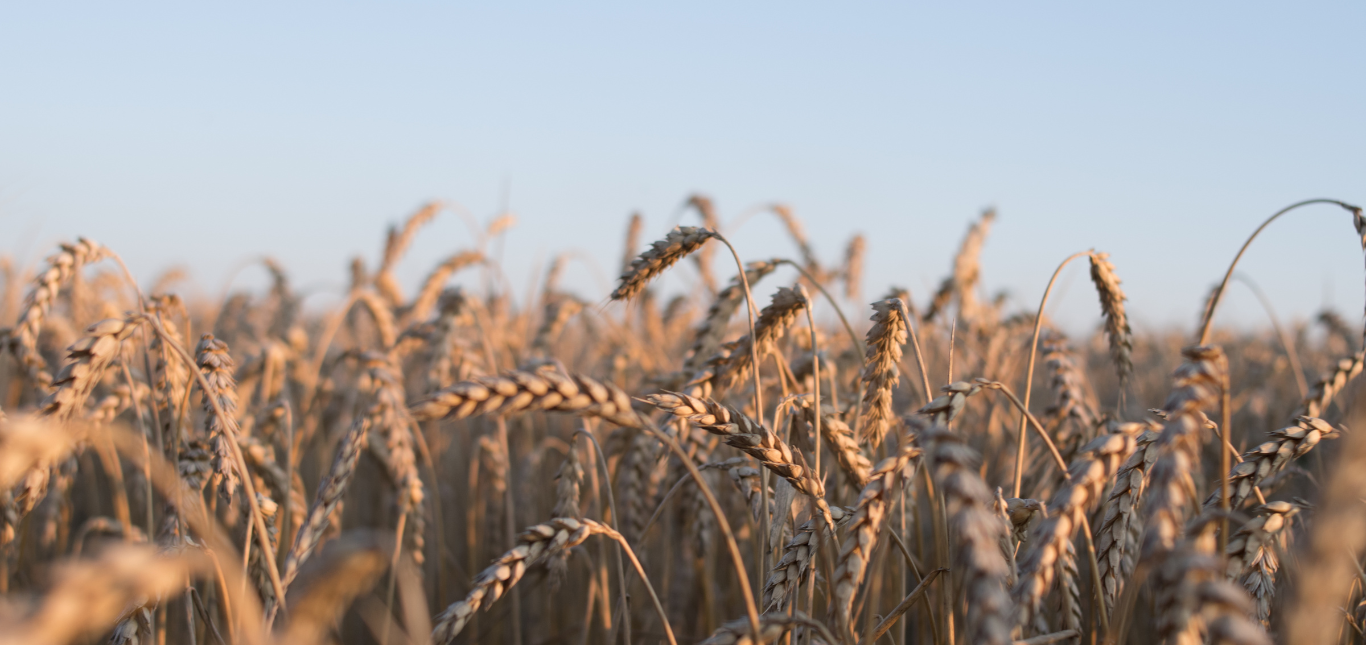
729, 462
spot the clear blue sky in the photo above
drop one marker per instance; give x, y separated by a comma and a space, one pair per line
208, 133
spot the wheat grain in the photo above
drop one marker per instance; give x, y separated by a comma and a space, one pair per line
851, 565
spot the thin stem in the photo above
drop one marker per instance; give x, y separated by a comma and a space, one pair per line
1029, 372
1057, 456
1214, 302
751, 608
891, 618
230, 425
612, 504
753, 313
1287, 343
640, 571
915, 344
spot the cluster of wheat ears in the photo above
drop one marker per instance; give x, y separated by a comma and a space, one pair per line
456, 466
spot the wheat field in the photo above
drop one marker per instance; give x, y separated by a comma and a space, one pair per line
743, 461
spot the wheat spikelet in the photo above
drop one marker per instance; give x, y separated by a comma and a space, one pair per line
533, 545
675, 246
47, 286
1322, 392
1252, 559
1116, 321
747, 479
880, 372
745, 434
946, 407
257, 566
773, 322
519, 391
1114, 542
853, 267
865, 523
211, 356
1068, 583
1089, 475
713, 328
1197, 384
978, 532
441, 359
1271, 457
634, 477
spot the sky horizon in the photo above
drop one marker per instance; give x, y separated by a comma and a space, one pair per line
206, 136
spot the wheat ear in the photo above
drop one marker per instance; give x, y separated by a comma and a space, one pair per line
1272, 456
47, 286
856, 552
1116, 321
774, 320
1089, 475
880, 374
675, 246
1197, 384
978, 532
518, 391
533, 545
